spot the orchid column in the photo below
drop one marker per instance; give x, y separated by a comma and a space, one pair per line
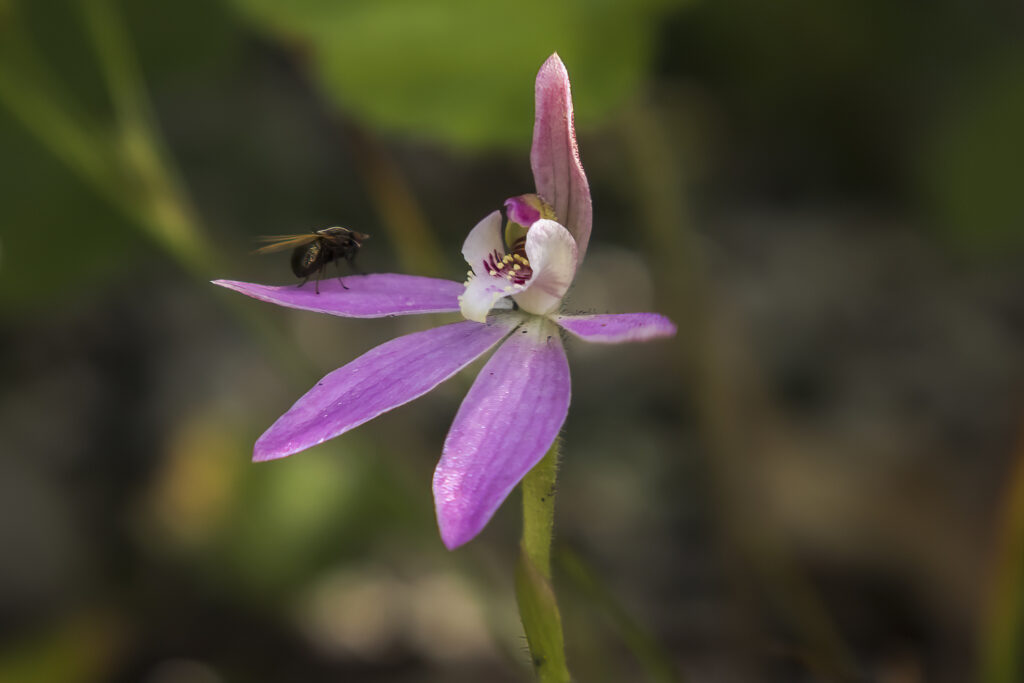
522, 264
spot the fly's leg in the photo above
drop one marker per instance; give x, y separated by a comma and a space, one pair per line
351, 258
348, 258
337, 264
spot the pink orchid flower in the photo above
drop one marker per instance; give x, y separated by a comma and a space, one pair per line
519, 401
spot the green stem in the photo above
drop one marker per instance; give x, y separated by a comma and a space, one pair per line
539, 510
538, 608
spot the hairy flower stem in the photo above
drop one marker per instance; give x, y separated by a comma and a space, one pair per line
538, 608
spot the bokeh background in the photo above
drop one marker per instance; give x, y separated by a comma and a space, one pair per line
820, 479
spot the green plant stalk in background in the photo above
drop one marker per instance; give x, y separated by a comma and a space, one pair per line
165, 209
654, 660
727, 398
538, 608
1002, 625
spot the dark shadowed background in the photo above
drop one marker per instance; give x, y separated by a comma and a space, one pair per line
820, 479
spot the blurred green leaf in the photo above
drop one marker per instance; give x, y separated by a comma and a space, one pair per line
212, 49
973, 162
291, 519
56, 234
462, 71
78, 648
289, 515
54, 231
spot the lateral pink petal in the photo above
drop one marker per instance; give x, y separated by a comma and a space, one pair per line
555, 158
368, 296
383, 378
507, 422
616, 328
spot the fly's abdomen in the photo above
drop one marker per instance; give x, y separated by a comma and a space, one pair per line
307, 259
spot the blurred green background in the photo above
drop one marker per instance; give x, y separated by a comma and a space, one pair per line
820, 479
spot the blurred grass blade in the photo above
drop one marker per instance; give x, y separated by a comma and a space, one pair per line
36, 99
126, 166
728, 389
656, 662
122, 164
1002, 636
141, 150
400, 213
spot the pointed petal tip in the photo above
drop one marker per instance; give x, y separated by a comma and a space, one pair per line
265, 449
376, 382
617, 328
557, 172
505, 425
453, 541
373, 295
456, 526
235, 286
259, 455
554, 61
553, 74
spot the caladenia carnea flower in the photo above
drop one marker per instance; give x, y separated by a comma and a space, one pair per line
520, 271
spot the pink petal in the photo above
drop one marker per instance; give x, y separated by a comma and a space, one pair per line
555, 158
506, 423
551, 251
383, 378
368, 296
617, 328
